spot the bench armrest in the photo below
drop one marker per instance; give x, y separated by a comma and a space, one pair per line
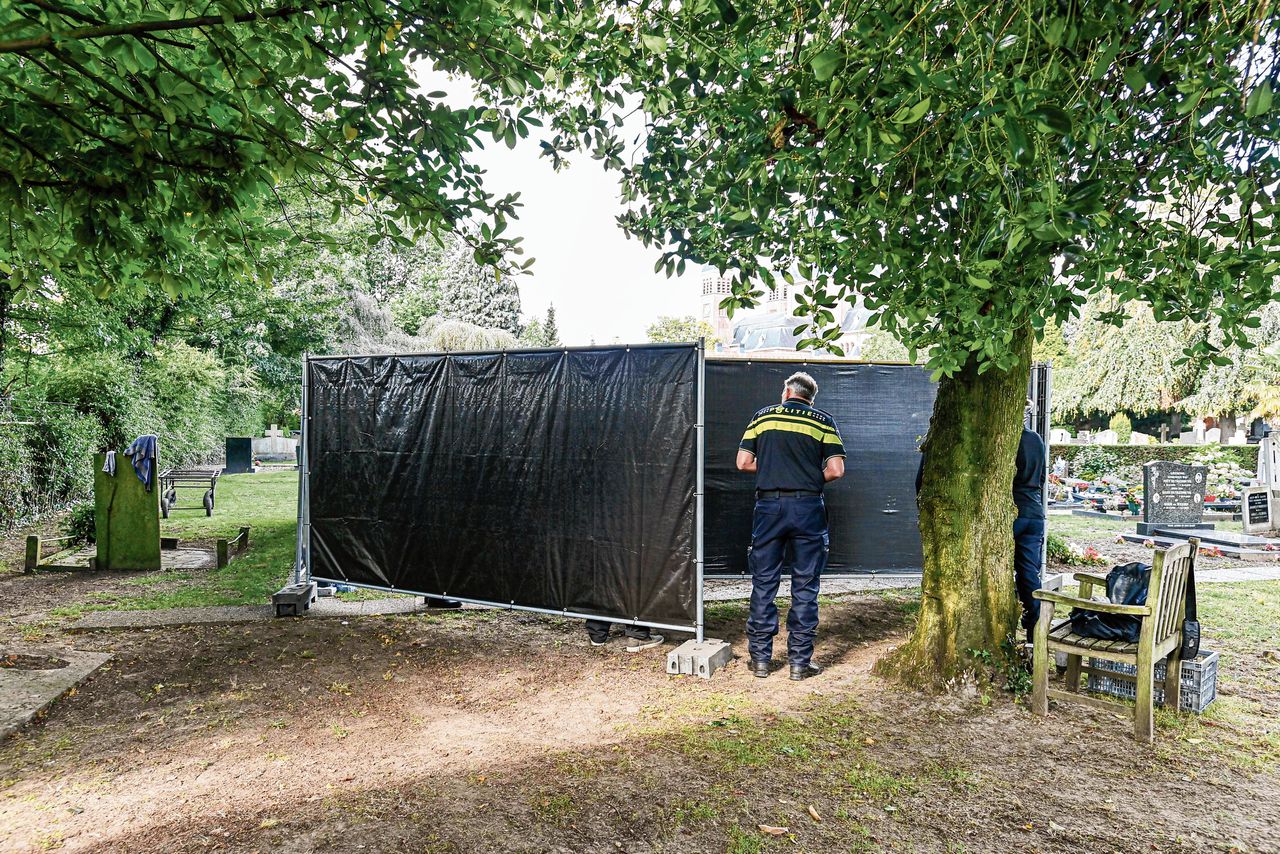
1091, 605
1090, 578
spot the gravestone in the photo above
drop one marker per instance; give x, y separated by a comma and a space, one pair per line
239, 455
1269, 463
1106, 437
1058, 436
1255, 507
1173, 496
1213, 436
126, 516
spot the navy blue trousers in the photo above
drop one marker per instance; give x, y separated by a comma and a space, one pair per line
800, 521
1028, 541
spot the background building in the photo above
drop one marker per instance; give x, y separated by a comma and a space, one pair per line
767, 331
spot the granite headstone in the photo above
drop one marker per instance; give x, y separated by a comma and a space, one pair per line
1173, 495
1256, 509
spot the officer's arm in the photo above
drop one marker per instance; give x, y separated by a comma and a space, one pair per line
834, 470
747, 461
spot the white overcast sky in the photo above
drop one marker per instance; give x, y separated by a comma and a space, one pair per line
601, 283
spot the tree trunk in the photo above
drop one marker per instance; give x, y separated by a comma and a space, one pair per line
966, 523
1227, 424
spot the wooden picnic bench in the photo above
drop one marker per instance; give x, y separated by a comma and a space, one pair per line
1160, 637
171, 480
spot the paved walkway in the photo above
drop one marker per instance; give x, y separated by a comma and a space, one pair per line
324, 607
32, 677
714, 590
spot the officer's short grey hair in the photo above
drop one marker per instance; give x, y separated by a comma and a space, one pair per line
802, 385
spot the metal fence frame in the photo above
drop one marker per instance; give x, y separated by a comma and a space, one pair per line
302, 565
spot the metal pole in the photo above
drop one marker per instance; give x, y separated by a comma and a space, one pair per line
302, 567
1046, 392
698, 515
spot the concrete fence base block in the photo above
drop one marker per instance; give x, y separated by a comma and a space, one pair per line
692, 658
292, 599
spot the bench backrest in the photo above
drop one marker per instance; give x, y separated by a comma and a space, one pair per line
1168, 591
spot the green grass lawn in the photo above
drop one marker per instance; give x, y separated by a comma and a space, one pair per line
268, 503
1088, 526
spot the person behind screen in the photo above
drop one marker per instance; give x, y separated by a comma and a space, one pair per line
794, 450
638, 637
1028, 527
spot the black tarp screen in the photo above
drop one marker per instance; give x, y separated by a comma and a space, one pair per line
557, 480
883, 413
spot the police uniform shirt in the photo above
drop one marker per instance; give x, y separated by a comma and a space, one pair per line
792, 442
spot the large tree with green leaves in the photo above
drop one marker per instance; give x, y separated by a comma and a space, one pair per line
971, 170
133, 129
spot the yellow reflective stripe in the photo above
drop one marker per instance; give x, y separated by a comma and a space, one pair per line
788, 426
819, 425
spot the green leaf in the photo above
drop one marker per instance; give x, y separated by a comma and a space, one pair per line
1259, 100
1049, 119
1135, 78
654, 43
1019, 144
907, 116
825, 64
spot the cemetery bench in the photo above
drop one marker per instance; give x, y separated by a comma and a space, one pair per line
1160, 637
171, 480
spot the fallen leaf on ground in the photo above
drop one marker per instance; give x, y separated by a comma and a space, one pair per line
813, 813
1055, 827
1195, 741
268, 823
774, 831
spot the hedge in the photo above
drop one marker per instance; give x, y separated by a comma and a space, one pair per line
1245, 456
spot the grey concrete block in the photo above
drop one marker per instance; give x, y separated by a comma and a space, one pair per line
692, 658
292, 599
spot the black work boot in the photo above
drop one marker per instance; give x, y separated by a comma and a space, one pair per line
801, 672
760, 667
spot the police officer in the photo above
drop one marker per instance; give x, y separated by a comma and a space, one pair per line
793, 449
1028, 527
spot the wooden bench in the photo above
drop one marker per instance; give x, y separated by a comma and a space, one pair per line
1159, 637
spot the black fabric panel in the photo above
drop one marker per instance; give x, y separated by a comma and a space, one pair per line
558, 480
883, 414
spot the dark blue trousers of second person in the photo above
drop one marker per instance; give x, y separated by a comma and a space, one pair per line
800, 521
1028, 545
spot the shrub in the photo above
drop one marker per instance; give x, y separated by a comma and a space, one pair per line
62, 450
15, 475
1244, 456
1093, 461
1123, 428
1057, 551
106, 387
80, 522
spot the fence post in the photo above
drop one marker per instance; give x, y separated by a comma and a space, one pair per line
223, 558
33, 553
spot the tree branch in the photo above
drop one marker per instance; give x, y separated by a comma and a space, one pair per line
141, 28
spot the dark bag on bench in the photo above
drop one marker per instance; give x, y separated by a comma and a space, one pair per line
1126, 585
